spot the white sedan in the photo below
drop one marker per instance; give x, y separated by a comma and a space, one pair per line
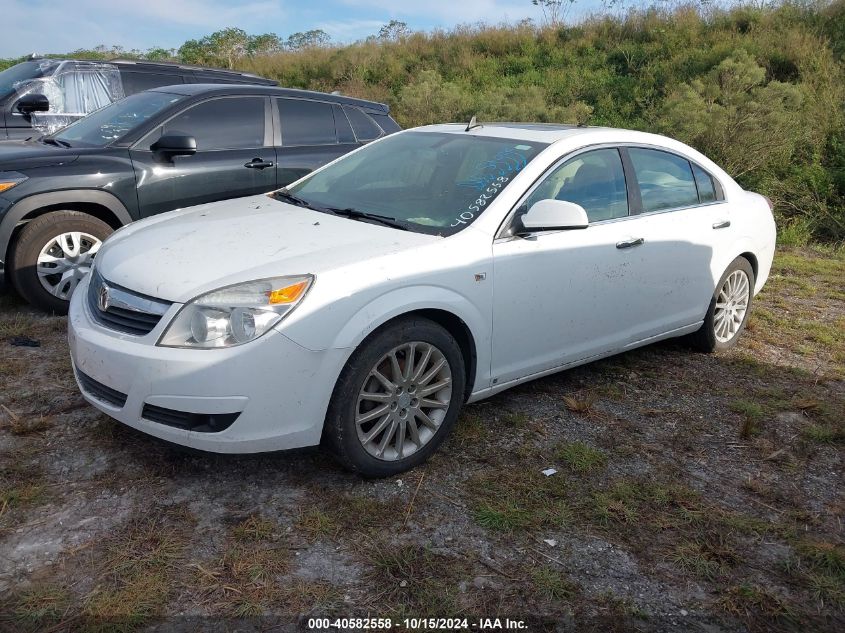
363, 305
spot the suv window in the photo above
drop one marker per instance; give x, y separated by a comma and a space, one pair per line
365, 128
344, 130
704, 182
226, 123
595, 180
138, 81
665, 180
306, 122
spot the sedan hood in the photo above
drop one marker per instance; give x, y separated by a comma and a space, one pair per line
182, 254
18, 155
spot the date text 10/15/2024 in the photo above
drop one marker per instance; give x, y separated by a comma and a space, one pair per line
417, 624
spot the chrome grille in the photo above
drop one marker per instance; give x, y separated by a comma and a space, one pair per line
125, 311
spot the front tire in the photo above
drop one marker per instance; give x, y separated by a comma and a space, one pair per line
397, 398
52, 254
728, 311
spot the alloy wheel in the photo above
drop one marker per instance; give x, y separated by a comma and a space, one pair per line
403, 401
731, 306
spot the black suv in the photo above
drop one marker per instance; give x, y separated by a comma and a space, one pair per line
40, 96
155, 151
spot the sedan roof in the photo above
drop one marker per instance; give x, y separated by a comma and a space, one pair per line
536, 132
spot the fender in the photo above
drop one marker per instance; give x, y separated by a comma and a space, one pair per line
36, 201
401, 301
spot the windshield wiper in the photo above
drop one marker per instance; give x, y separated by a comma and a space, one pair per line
54, 141
287, 196
355, 214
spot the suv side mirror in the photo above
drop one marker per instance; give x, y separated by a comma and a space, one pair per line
553, 215
30, 103
175, 144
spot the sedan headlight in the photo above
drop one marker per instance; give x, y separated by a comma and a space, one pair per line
237, 314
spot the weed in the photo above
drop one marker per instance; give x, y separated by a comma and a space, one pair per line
519, 500
554, 584
581, 405
414, 579
42, 603
254, 528
581, 457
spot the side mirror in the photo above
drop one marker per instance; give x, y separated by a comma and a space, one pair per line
30, 103
553, 215
170, 145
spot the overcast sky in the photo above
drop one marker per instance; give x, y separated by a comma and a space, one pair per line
58, 26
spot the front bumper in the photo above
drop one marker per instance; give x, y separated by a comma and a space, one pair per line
280, 389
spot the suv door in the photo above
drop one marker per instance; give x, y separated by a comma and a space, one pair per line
312, 133
234, 156
560, 297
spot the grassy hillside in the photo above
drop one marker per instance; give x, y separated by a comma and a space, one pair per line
760, 90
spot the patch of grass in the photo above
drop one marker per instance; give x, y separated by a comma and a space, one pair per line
582, 405
470, 429
515, 420
821, 566
30, 425
691, 557
414, 580
138, 569
316, 524
554, 584
754, 604
17, 325
254, 528
505, 517
245, 579
42, 604
752, 413
520, 499
21, 495
581, 457
824, 433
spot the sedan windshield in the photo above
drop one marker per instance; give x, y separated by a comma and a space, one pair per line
113, 122
429, 182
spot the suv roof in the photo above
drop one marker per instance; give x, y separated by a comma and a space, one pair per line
215, 89
170, 65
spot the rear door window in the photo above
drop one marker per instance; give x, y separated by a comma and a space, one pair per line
665, 180
704, 182
227, 123
365, 128
306, 122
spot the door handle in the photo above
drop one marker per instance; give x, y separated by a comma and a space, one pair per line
630, 243
723, 224
257, 163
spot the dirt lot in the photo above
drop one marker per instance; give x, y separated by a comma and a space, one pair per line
693, 493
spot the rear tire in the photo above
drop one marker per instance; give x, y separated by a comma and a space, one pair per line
413, 408
64, 241
726, 317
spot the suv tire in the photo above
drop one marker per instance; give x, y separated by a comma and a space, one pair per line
64, 240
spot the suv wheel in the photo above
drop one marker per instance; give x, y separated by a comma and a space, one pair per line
52, 254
